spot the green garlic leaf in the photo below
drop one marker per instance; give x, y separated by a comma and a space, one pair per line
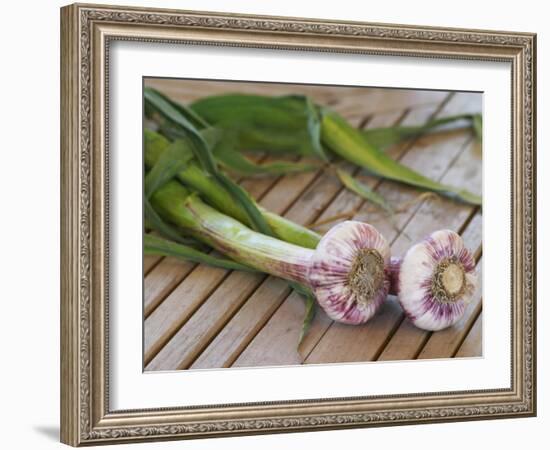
362, 190
287, 124
154, 245
204, 155
349, 143
172, 160
385, 137
240, 164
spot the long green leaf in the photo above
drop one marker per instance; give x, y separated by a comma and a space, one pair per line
349, 143
314, 127
362, 190
153, 245
279, 123
172, 161
196, 120
240, 164
204, 155
288, 124
247, 202
388, 136
166, 109
311, 309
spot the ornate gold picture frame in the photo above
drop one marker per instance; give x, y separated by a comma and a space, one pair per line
87, 34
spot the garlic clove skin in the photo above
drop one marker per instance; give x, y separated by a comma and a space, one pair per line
347, 272
436, 281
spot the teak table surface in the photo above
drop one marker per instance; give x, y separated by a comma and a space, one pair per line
198, 317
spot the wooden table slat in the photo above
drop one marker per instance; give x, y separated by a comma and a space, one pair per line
200, 329
162, 280
244, 325
174, 311
472, 345
149, 261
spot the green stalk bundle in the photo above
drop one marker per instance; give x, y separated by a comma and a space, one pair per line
160, 153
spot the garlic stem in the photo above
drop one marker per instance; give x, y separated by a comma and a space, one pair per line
267, 254
229, 236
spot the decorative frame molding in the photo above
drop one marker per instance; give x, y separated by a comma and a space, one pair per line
86, 31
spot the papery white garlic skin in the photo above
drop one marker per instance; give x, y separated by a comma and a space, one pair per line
437, 279
347, 272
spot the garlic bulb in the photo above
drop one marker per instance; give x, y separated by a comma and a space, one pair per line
435, 280
347, 272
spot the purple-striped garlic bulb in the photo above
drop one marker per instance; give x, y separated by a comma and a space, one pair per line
347, 272
435, 280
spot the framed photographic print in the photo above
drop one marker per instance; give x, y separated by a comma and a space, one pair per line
276, 224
